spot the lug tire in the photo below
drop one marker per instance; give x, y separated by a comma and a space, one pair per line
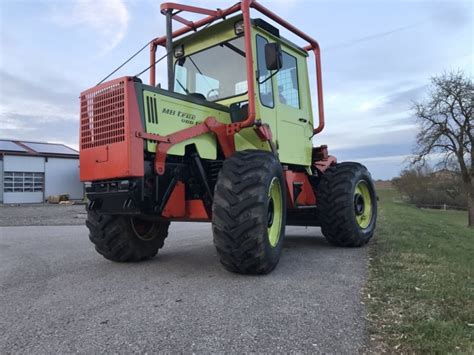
116, 239
336, 193
243, 212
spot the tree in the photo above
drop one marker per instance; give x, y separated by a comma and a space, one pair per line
446, 127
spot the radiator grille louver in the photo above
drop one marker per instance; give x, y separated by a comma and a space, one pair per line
103, 116
152, 111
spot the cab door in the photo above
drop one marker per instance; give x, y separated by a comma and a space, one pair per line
293, 109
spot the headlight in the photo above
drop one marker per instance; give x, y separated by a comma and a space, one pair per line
239, 27
179, 51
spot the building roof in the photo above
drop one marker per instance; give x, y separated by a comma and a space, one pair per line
18, 147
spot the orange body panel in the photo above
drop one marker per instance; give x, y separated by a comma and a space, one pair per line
179, 208
306, 197
110, 119
195, 210
176, 207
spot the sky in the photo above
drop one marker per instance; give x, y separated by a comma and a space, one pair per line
377, 58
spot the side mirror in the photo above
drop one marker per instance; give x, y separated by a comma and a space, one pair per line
273, 56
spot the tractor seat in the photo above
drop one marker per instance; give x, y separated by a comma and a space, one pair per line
239, 111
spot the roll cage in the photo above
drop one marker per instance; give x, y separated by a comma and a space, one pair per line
173, 11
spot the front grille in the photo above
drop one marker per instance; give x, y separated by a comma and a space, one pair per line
103, 116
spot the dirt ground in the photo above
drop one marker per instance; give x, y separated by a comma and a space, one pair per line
42, 215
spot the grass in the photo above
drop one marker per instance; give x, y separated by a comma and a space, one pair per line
420, 293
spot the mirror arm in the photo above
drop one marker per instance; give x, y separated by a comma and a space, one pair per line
268, 78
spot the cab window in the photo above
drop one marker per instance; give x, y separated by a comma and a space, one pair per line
216, 73
287, 79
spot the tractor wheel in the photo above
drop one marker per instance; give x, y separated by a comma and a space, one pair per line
123, 238
249, 212
347, 205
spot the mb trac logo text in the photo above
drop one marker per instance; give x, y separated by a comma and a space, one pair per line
187, 118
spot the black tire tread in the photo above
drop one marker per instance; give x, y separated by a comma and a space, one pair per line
239, 198
114, 239
335, 198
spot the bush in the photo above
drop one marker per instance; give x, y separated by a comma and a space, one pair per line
421, 186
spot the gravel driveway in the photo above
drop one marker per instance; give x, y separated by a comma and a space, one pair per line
42, 215
58, 296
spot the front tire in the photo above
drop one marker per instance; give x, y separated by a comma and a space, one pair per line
249, 212
347, 204
123, 238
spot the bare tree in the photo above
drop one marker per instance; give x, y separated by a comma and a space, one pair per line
446, 127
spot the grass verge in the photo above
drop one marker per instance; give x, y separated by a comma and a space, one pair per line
420, 292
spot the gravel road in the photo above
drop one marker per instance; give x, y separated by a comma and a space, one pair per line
42, 215
58, 296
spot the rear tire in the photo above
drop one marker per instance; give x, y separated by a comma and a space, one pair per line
249, 212
124, 239
347, 204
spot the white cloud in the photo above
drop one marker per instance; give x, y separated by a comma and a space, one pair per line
108, 18
400, 159
367, 106
45, 111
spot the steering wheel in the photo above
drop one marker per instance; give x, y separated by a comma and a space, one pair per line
210, 92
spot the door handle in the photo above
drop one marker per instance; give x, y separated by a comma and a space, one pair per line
303, 120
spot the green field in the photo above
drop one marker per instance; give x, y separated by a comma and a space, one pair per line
420, 293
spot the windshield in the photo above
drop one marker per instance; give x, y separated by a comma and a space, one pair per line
216, 73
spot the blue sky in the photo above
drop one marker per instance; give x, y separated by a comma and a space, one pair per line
377, 57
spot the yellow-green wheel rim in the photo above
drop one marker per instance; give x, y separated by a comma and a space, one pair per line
362, 204
275, 212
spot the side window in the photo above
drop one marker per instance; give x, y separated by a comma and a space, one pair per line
180, 79
265, 89
241, 88
287, 79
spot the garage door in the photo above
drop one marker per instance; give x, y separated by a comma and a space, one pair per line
62, 177
23, 179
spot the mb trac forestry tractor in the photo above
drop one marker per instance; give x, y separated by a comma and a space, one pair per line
228, 142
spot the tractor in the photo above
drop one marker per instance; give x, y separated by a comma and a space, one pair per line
229, 141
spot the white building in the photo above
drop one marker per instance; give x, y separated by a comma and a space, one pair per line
30, 172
